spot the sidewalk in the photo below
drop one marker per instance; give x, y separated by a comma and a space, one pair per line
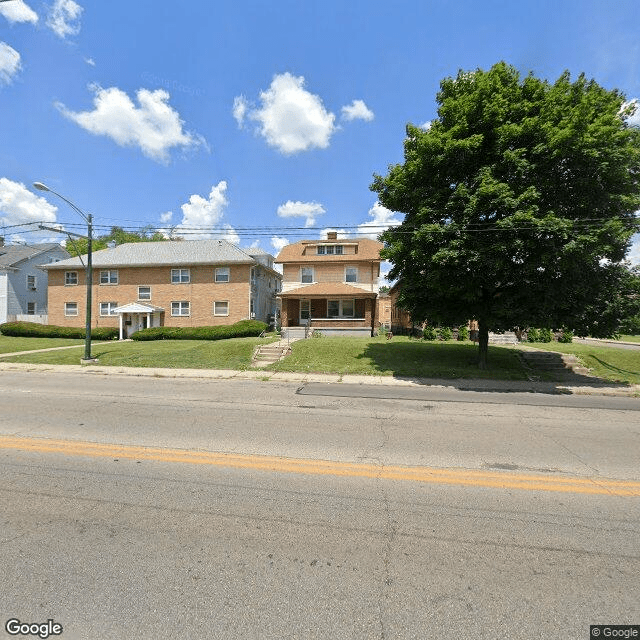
597, 387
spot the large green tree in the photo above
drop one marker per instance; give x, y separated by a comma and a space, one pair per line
519, 204
78, 246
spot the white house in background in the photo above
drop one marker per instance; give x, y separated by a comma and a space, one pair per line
23, 285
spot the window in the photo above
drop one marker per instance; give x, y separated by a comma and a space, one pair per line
180, 308
180, 276
330, 249
221, 308
351, 274
70, 308
306, 274
253, 275
31, 283
109, 277
305, 309
106, 308
70, 278
340, 308
222, 274
144, 293
252, 311
31, 308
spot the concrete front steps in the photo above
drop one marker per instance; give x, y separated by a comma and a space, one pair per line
508, 337
270, 353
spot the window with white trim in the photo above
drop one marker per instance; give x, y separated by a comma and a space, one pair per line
144, 293
180, 308
351, 274
31, 308
109, 276
107, 308
306, 274
31, 283
180, 276
222, 274
341, 308
70, 308
221, 308
70, 278
330, 249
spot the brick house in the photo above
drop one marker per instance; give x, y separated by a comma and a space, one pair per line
23, 283
330, 285
186, 283
383, 310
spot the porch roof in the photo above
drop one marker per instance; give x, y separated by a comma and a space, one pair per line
137, 307
328, 289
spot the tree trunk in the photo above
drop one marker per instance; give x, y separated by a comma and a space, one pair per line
483, 343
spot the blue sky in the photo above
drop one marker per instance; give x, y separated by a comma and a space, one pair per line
233, 116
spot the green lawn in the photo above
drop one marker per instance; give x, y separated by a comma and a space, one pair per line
627, 338
9, 344
234, 353
610, 362
400, 356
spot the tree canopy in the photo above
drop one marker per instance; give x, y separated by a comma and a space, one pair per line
519, 204
78, 247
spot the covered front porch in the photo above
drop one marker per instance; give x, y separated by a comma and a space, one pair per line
136, 316
348, 314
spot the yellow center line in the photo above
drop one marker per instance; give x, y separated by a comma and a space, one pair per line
431, 475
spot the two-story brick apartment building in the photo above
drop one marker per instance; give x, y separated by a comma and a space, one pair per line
330, 285
173, 283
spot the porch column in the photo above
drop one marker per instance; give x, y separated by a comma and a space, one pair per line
368, 313
148, 319
284, 313
121, 322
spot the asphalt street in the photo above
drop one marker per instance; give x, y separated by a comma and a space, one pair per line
158, 508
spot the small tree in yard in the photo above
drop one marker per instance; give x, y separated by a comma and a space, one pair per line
519, 205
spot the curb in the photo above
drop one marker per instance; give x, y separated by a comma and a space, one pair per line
462, 384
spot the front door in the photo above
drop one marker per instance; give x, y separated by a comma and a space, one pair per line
305, 311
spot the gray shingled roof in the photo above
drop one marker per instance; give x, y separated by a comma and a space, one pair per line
185, 252
15, 253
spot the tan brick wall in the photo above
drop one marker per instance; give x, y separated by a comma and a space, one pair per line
201, 292
335, 272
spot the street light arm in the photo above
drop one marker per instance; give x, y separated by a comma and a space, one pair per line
43, 187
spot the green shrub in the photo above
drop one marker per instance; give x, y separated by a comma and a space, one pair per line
242, 329
463, 333
35, 330
429, 333
533, 335
546, 335
445, 333
566, 336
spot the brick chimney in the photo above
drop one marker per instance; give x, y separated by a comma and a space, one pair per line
332, 235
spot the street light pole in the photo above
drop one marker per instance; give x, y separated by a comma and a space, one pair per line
88, 218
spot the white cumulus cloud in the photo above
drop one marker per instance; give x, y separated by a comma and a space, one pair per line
200, 216
153, 126
425, 125
307, 210
9, 63
633, 120
289, 117
381, 219
278, 243
18, 205
90, 61
357, 110
634, 252
18, 11
64, 18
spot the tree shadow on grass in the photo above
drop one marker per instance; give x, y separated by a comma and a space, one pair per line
615, 369
456, 365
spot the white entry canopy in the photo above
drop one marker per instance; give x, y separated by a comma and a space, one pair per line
135, 316
136, 307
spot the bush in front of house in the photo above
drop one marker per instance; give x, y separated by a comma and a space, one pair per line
430, 333
36, 330
463, 333
445, 333
242, 329
566, 336
546, 335
533, 335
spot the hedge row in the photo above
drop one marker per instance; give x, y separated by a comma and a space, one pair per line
35, 330
242, 329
